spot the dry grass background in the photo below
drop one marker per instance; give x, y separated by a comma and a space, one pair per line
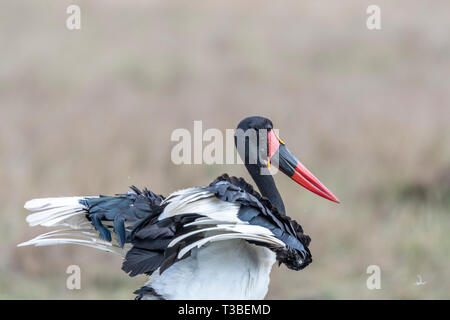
91, 111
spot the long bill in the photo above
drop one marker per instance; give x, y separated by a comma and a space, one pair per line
289, 165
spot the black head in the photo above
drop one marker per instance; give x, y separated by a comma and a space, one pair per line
251, 140
255, 122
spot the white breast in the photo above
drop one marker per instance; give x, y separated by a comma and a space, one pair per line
233, 269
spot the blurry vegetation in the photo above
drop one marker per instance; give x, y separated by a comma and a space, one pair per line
435, 191
91, 111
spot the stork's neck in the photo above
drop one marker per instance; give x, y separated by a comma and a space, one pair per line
267, 187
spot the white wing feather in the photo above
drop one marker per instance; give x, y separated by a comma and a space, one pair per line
199, 201
67, 212
229, 236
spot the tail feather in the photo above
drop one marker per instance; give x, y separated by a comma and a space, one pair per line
52, 212
83, 237
55, 217
101, 222
66, 212
49, 203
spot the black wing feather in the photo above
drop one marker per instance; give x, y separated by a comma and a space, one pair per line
129, 207
135, 220
138, 261
258, 210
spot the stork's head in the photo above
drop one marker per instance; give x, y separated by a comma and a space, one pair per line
258, 145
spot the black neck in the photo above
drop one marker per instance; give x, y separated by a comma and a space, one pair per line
267, 187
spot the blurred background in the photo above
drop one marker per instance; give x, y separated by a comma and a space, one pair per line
91, 111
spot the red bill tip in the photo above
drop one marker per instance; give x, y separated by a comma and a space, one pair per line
307, 180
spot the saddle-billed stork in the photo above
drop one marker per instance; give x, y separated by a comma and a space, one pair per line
213, 242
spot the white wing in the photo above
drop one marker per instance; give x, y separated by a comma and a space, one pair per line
202, 202
67, 212
219, 221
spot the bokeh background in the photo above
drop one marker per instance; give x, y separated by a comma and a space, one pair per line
91, 111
